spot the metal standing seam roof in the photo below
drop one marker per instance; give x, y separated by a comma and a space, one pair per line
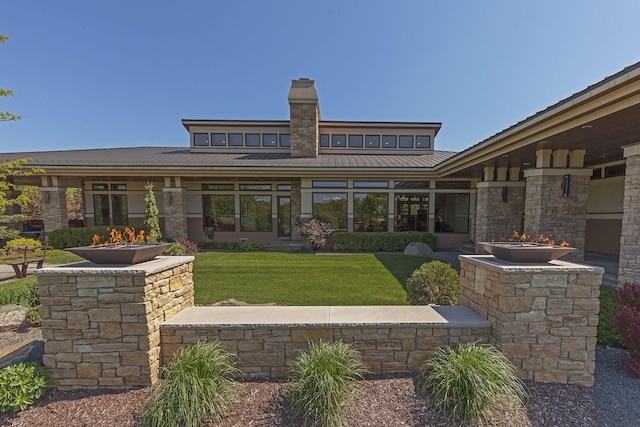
181, 157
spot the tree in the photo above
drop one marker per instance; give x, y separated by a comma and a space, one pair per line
151, 220
6, 116
7, 170
75, 205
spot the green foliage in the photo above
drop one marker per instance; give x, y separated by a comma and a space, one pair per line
5, 115
252, 246
151, 221
465, 380
342, 241
323, 382
435, 282
33, 316
7, 170
8, 233
223, 245
174, 250
607, 335
62, 238
23, 241
198, 386
21, 385
22, 292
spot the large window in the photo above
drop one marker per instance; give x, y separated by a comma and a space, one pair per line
101, 211
331, 207
103, 206
255, 213
370, 211
412, 212
452, 212
219, 212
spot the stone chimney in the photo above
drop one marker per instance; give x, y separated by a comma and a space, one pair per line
305, 118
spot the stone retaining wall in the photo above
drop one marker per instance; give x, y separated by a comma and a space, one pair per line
101, 324
388, 342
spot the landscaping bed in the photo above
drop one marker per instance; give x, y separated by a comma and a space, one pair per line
386, 402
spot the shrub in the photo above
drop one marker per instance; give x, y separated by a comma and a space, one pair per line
252, 246
607, 335
197, 387
62, 238
342, 241
21, 385
33, 316
188, 247
24, 293
175, 250
627, 323
223, 245
316, 231
23, 241
323, 381
435, 282
466, 379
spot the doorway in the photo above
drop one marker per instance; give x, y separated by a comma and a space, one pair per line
284, 216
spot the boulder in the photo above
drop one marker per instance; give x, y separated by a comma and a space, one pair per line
12, 317
418, 249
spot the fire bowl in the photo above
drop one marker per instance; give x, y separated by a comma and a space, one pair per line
525, 252
120, 254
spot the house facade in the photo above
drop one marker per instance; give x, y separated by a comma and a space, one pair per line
571, 171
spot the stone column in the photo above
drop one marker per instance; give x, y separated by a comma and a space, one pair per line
304, 118
556, 198
629, 263
54, 207
296, 209
101, 324
500, 207
175, 209
544, 317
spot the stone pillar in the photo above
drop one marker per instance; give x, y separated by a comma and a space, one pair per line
54, 207
175, 209
629, 263
556, 199
296, 209
544, 317
304, 119
101, 324
500, 207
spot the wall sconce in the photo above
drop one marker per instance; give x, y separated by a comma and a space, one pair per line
566, 183
504, 194
46, 197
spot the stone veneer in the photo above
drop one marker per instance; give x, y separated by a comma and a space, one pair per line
497, 218
101, 324
629, 263
549, 213
543, 317
296, 209
54, 207
266, 339
304, 122
175, 212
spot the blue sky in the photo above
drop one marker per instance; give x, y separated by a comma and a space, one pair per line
91, 74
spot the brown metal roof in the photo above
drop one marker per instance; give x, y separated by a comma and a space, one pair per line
180, 157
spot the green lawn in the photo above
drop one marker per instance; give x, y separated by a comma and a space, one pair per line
303, 279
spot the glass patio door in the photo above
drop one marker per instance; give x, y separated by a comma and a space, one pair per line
284, 216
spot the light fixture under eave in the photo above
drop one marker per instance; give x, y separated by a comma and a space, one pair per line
586, 127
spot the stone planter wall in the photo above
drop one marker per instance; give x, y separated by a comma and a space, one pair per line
101, 324
391, 340
543, 317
